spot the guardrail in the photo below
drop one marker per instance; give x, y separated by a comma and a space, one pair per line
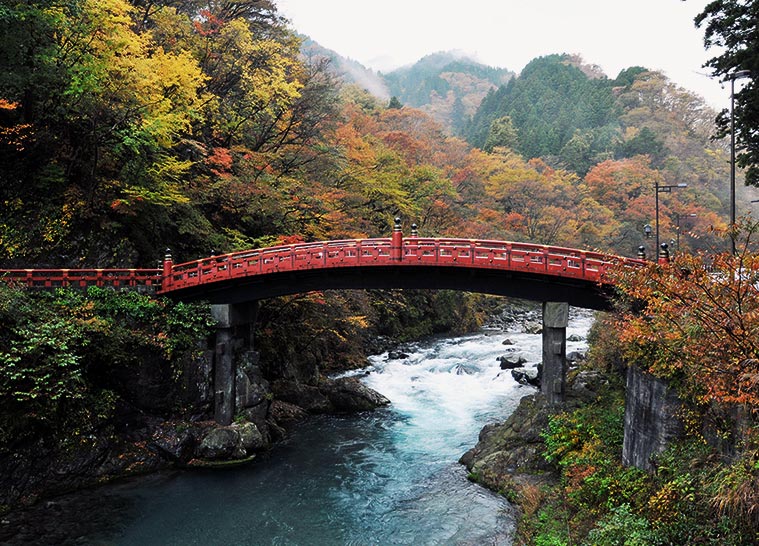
81, 278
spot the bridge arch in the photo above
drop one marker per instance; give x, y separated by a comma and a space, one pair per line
527, 271
556, 276
233, 283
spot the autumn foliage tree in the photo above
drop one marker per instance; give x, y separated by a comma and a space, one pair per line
695, 322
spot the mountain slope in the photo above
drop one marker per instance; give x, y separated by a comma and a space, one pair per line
446, 85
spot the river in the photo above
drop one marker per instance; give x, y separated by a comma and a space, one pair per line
380, 478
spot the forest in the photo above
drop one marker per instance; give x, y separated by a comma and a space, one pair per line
203, 129
131, 126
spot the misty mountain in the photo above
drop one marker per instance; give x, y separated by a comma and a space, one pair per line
447, 85
348, 70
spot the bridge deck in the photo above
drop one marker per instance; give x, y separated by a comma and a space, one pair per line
414, 255
548, 260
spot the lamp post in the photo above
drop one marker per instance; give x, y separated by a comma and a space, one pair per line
663, 189
677, 225
734, 76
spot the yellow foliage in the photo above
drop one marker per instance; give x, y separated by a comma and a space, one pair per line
359, 321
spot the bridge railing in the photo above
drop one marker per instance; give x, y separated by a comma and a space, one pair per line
296, 257
81, 278
551, 260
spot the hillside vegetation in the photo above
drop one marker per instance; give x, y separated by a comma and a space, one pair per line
129, 128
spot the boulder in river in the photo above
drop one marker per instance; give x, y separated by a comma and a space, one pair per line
176, 444
397, 355
220, 443
509, 362
532, 328
348, 394
251, 438
285, 413
308, 397
526, 377
576, 356
236, 441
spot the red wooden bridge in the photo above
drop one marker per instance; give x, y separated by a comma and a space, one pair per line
529, 271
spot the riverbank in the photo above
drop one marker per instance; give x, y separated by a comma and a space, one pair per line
563, 466
368, 477
106, 384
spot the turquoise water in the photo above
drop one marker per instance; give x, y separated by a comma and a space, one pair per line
337, 481
381, 478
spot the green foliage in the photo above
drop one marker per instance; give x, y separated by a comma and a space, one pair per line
58, 351
693, 496
622, 527
411, 315
585, 444
548, 103
645, 142
502, 133
730, 27
549, 527
176, 326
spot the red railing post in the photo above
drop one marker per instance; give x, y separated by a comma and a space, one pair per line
396, 243
168, 265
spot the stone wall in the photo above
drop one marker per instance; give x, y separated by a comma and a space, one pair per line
651, 418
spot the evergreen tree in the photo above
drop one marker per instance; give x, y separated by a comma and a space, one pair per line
732, 27
502, 133
548, 104
458, 116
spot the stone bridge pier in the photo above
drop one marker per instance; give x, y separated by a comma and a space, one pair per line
555, 320
238, 383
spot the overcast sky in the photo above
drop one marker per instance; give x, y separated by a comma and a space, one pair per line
614, 34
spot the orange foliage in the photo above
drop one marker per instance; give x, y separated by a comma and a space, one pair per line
289, 239
220, 162
16, 136
617, 183
208, 24
696, 322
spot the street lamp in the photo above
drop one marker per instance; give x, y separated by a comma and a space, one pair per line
647, 230
663, 189
677, 225
734, 76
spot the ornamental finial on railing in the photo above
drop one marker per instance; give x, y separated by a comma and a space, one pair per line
641, 252
664, 254
414, 230
396, 242
168, 264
